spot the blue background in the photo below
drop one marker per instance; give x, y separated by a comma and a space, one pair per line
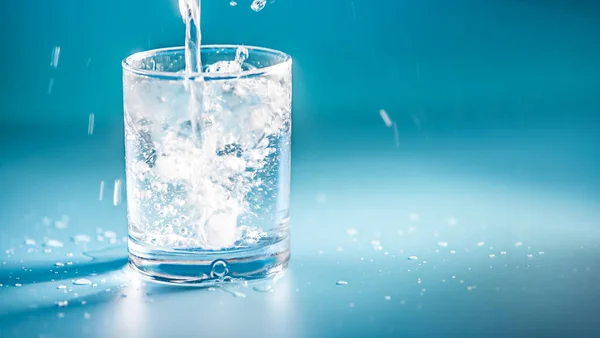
497, 105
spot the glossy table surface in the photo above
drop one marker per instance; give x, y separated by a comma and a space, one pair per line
503, 230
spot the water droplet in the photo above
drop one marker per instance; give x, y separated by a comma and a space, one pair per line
419, 281
62, 303
412, 258
29, 241
341, 282
233, 4
452, 221
18, 285
352, 232
59, 264
69, 254
241, 54
470, 288
519, 244
212, 289
62, 287
263, 288
480, 243
55, 57
80, 238
258, 5
529, 256
452, 252
110, 234
443, 244
83, 302
54, 243
60, 315
541, 253
492, 256
82, 281
503, 253
86, 315
387, 297
238, 294
219, 269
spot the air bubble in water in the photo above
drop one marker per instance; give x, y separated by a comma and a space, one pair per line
233, 4
258, 5
219, 269
82, 281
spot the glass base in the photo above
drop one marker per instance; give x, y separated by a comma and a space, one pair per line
207, 268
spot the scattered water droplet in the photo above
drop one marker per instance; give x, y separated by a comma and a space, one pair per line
117, 193
18, 285
452, 221
110, 234
29, 241
55, 57
263, 288
452, 252
62, 303
80, 238
351, 305
352, 232
59, 264
258, 5
61, 287
387, 297
238, 294
519, 244
341, 282
233, 4
503, 253
86, 315
412, 258
480, 243
69, 254
443, 244
529, 256
212, 289
82, 281
492, 256
60, 315
54, 243
541, 253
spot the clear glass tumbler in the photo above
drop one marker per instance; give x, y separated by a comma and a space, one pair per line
208, 163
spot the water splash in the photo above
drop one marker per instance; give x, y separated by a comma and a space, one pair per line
258, 5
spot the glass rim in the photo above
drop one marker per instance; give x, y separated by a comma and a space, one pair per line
127, 66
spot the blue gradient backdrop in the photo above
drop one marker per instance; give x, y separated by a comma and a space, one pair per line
497, 105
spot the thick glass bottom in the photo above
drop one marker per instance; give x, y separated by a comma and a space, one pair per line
207, 268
